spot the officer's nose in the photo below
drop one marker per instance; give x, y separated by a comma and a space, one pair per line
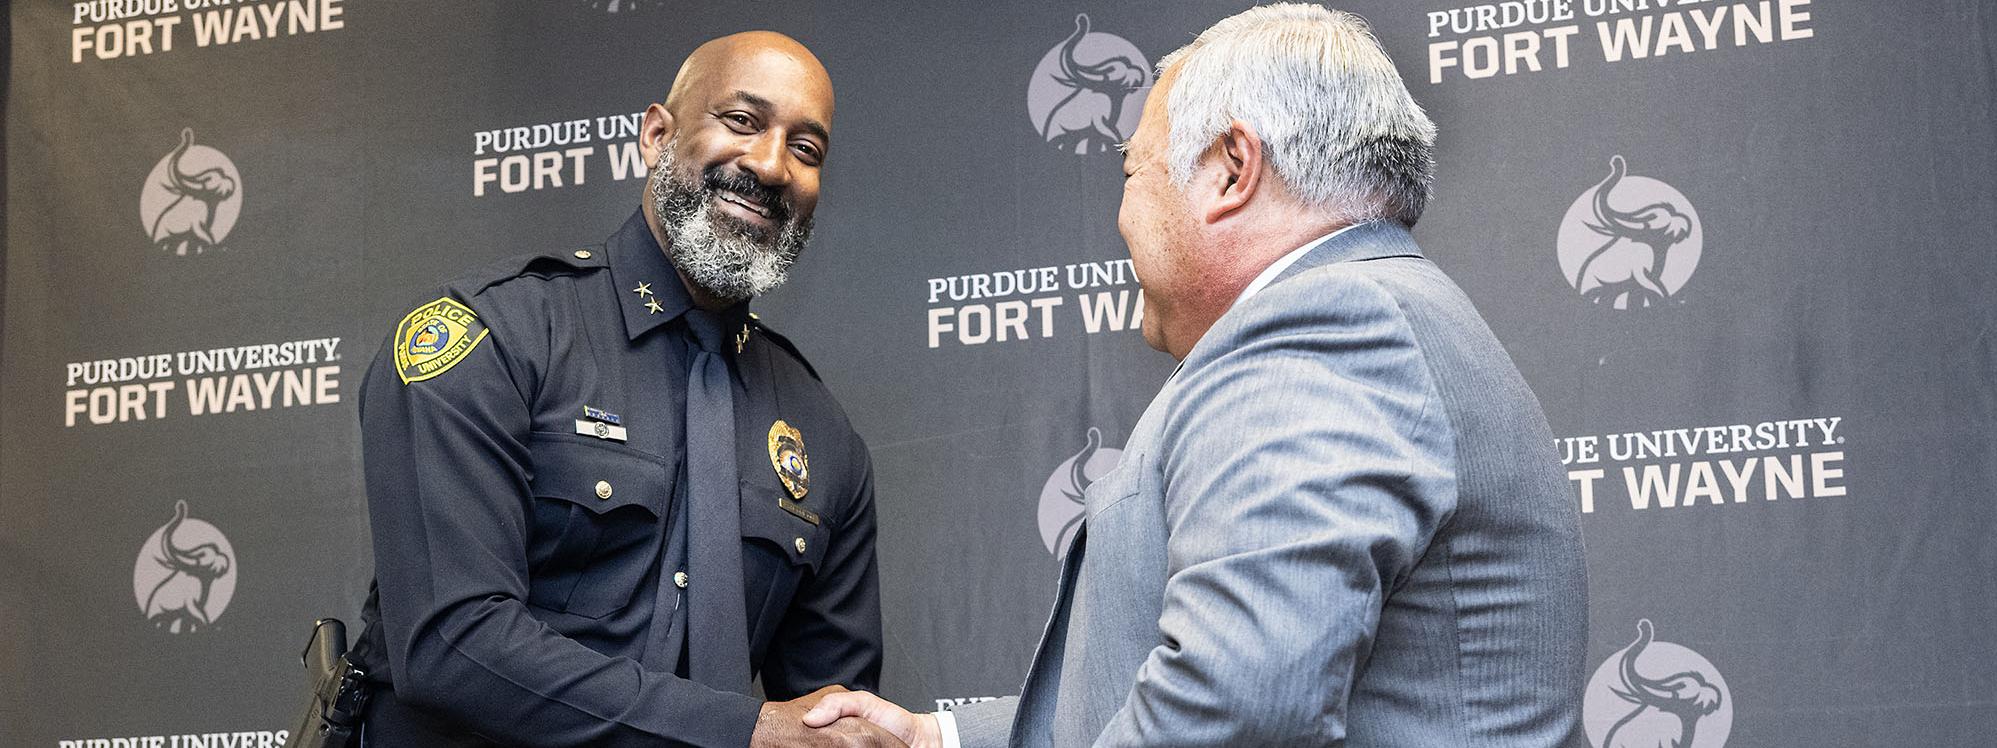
765, 161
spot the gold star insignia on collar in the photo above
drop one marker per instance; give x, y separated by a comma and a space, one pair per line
652, 306
643, 289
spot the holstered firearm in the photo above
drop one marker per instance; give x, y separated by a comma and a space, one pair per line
339, 692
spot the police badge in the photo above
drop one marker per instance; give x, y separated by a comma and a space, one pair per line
793, 468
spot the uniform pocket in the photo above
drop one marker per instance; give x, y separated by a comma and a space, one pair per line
766, 524
779, 549
598, 521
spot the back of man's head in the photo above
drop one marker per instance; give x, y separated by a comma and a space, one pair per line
1339, 127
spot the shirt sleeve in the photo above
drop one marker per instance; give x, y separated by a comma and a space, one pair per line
446, 466
946, 725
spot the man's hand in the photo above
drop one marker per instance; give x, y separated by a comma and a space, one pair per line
781, 723
917, 730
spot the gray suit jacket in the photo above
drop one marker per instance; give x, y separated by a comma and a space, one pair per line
1341, 523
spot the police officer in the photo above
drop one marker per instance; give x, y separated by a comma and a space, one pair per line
604, 497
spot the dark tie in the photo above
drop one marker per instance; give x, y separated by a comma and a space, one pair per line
717, 623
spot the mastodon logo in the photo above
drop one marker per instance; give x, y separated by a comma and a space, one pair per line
185, 575
1061, 504
1088, 91
191, 198
1655, 694
1629, 242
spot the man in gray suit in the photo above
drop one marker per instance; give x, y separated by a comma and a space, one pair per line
1342, 521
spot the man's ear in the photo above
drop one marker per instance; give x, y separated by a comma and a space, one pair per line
1238, 153
653, 134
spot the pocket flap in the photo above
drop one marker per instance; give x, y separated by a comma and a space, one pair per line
598, 475
763, 519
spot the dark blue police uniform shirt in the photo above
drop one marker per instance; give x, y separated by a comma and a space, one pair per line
520, 545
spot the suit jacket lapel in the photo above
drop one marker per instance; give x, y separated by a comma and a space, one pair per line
1033, 723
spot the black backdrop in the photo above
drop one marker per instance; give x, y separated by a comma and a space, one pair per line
1831, 161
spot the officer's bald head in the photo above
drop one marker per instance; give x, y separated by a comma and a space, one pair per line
761, 60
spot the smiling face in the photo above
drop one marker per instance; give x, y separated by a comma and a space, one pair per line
736, 153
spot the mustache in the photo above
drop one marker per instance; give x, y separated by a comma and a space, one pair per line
715, 179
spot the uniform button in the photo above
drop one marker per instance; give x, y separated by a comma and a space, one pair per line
603, 489
679, 579
582, 254
800, 545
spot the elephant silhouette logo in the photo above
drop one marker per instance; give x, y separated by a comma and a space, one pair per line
1061, 505
1088, 91
191, 199
185, 575
1629, 242
1655, 694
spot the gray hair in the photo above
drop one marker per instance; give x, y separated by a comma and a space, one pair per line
1338, 126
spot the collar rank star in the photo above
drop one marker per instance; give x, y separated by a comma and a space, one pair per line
644, 291
793, 468
600, 424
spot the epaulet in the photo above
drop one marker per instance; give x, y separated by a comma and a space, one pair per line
542, 265
785, 344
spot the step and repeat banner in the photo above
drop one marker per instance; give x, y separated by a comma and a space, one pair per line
1741, 250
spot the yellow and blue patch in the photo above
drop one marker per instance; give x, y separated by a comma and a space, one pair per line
435, 338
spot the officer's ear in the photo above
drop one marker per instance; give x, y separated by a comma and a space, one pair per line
654, 133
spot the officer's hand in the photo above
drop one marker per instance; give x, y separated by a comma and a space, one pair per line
781, 723
811, 699
917, 730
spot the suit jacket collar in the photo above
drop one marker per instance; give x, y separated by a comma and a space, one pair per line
1368, 241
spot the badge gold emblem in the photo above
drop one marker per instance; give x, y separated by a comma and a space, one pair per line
787, 456
793, 468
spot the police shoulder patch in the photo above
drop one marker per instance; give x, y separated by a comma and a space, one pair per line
435, 338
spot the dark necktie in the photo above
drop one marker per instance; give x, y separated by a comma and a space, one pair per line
717, 623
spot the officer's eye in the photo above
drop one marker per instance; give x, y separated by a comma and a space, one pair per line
808, 152
740, 122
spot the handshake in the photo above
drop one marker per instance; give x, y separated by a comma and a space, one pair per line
834, 716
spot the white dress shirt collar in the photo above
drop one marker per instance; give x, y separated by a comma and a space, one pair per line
1269, 274
1283, 263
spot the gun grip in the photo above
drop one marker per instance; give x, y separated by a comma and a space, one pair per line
323, 651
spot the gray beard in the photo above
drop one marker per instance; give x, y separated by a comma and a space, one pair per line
729, 259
